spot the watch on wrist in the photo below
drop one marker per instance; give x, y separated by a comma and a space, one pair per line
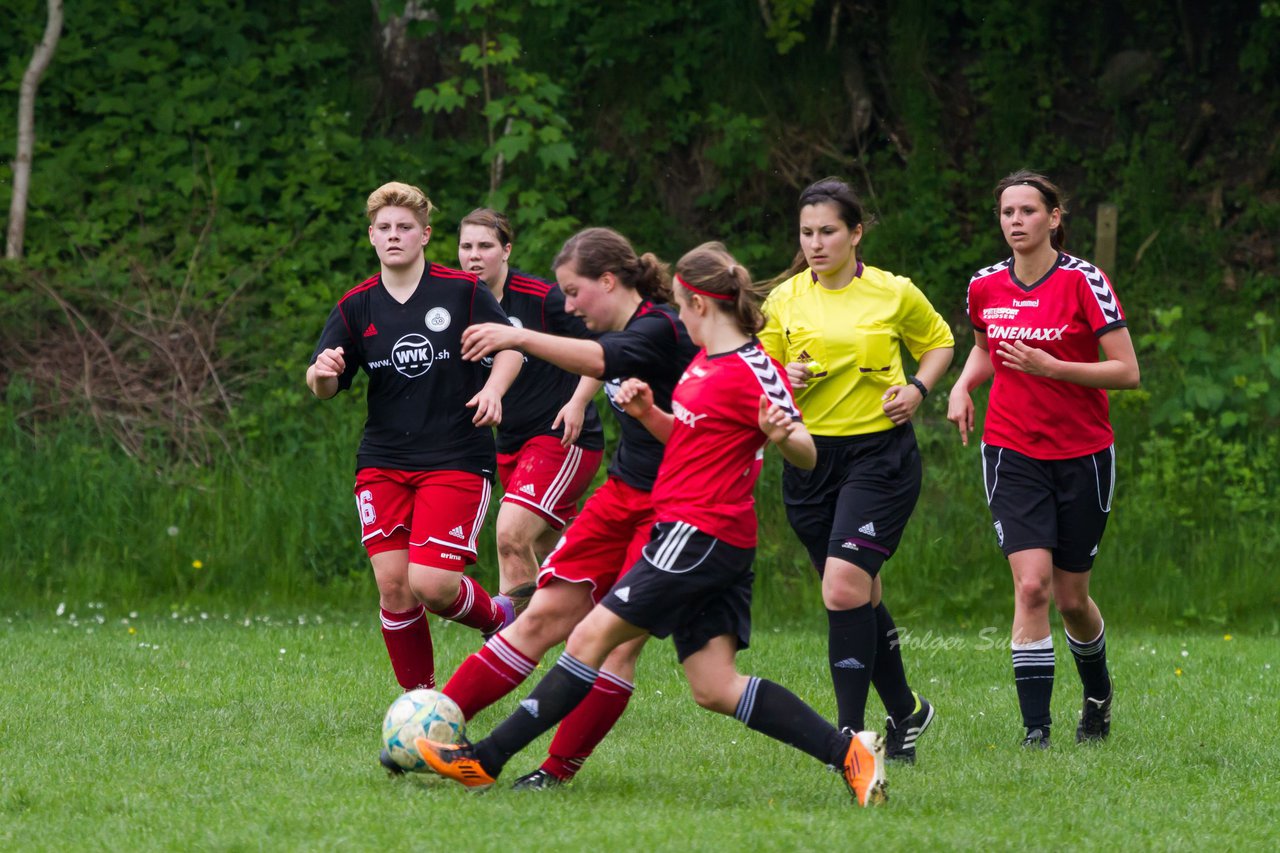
924, 392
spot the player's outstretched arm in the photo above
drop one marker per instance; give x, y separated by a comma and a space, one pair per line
583, 357
790, 435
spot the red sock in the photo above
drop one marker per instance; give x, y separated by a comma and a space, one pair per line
488, 675
473, 607
587, 724
408, 642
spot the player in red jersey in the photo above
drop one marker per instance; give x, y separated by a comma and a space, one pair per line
1047, 450
622, 297
693, 580
550, 441
425, 462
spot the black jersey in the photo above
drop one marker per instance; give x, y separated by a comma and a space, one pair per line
541, 389
418, 383
655, 347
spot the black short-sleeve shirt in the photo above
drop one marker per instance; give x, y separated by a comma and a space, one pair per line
541, 389
654, 346
418, 383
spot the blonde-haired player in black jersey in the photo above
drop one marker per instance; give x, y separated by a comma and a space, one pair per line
838, 326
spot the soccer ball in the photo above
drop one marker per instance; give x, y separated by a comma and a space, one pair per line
420, 713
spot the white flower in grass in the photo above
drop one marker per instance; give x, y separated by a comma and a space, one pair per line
1186, 653
133, 614
172, 530
282, 651
62, 608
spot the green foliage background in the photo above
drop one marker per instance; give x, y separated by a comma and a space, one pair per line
209, 162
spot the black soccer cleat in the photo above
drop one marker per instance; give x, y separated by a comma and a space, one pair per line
389, 764
1095, 719
900, 738
538, 780
1037, 738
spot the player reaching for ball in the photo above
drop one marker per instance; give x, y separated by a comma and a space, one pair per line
693, 579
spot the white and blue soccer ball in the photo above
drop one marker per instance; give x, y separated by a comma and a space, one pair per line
420, 713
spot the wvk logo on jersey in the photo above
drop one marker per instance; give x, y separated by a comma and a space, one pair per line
413, 355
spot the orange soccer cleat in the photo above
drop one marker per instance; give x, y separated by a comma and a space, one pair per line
454, 761
864, 769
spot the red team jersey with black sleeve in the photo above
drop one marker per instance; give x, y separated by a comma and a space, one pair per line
654, 346
1064, 314
418, 383
541, 390
716, 448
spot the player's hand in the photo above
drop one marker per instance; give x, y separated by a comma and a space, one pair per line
775, 423
634, 397
484, 339
1025, 359
960, 412
330, 363
572, 416
488, 406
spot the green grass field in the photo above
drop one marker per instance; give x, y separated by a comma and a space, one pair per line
234, 731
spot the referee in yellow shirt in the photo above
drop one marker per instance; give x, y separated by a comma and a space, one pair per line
838, 326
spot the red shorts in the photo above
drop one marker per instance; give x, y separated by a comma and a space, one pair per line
605, 541
548, 479
435, 515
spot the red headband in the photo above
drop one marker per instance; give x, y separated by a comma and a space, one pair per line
726, 297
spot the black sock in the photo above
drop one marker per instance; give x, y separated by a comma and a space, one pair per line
887, 675
851, 653
774, 710
1091, 663
1033, 676
559, 692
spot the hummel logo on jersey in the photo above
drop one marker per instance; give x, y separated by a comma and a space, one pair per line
528, 489
530, 705
371, 331
849, 663
869, 528
457, 532
623, 593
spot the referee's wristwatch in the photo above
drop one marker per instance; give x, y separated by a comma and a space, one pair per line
924, 392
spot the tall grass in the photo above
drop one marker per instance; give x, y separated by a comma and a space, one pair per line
276, 523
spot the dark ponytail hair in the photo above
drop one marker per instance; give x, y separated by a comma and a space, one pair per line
1049, 192
596, 251
710, 268
836, 192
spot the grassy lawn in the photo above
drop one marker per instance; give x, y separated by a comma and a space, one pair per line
227, 731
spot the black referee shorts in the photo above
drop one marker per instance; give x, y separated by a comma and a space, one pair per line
689, 586
1058, 504
856, 502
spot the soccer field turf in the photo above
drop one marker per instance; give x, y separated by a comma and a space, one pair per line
231, 731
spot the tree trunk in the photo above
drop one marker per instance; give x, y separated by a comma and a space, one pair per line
27, 130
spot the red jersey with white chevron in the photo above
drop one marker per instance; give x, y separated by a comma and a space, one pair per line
1064, 314
716, 448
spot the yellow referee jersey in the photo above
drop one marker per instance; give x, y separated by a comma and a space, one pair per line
851, 339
